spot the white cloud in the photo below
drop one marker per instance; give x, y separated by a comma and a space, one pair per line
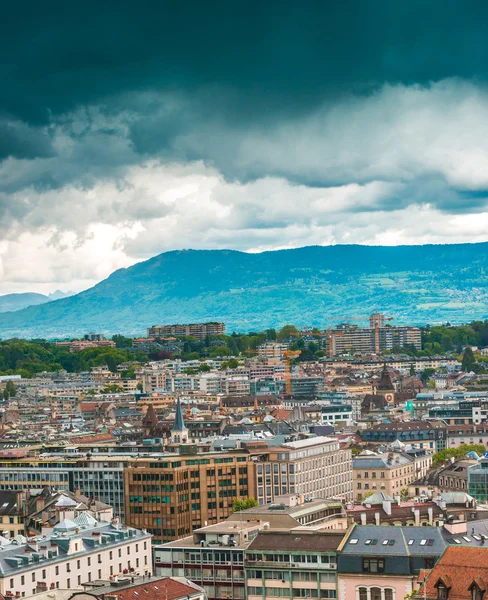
403, 165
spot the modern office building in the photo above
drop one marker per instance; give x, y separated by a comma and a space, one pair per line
478, 481
213, 558
173, 495
292, 564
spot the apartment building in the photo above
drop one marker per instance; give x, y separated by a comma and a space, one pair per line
428, 435
389, 472
292, 564
315, 467
79, 551
466, 434
383, 562
196, 330
213, 558
11, 513
357, 340
173, 495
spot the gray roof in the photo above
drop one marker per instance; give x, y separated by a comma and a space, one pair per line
391, 540
14, 558
378, 498
381, 462
476, 535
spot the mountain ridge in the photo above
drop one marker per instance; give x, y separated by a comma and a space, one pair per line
311, 285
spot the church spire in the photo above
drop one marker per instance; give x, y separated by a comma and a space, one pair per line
179, 431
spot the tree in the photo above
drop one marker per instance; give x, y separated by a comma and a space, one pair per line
412, 370
121, 341
286, 332
404, 494
444, 455
140, 387
468, 360
5, 395
243, 504
425, 375
112, 388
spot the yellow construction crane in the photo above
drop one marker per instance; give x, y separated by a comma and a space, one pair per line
376, 320
289, 356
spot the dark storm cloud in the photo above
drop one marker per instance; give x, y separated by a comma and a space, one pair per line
279, 55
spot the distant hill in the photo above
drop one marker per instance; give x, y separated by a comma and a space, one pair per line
10, 302
315, 285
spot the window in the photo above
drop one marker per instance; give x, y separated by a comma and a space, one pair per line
373, 565
375, 593
57, 571
33, 576
442, 592
476, 593
68, 583
22, 580
89, 561
388, 594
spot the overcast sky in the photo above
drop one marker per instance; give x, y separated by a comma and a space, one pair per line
128, 129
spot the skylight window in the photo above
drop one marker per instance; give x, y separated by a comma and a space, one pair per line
477, 537
457, 540
353, 541
385, 542
423, 542
410, 542
466, 538
367, 542
430, 542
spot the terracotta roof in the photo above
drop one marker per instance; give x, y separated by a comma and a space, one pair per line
169, 589
457, 568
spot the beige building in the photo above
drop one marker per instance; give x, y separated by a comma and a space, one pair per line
315, 468
390, 472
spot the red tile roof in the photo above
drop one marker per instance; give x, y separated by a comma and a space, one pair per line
457, 568
165, 589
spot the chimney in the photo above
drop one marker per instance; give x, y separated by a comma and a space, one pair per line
39, 503
456, 527
416, 513
377, 518
363, 518
430, 512
387, 506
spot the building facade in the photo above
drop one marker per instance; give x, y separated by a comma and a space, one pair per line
174, 495
78, 552
196, 330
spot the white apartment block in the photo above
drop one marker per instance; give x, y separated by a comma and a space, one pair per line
78, 551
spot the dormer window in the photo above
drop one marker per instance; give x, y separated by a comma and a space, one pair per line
477, 589
476, 593
442, 592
